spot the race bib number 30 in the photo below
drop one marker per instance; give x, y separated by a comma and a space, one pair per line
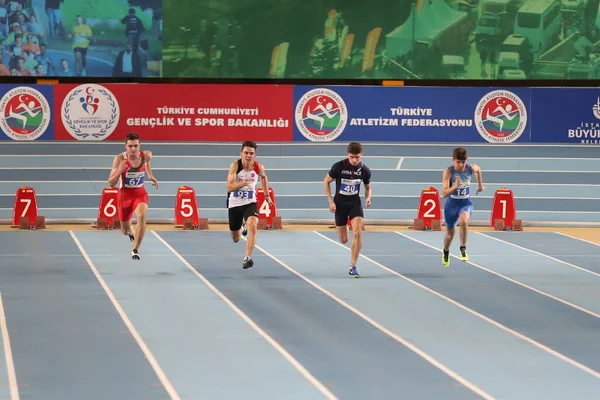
134, 179
349, 187
244, 194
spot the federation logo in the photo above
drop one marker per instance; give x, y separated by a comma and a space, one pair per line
500, 117
26, 113
90, 112
321, 115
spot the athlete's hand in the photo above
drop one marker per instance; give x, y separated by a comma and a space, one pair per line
122, 166
154, 182
332, 206
245, 182
269, 201
480, 189
368, 202
457, 183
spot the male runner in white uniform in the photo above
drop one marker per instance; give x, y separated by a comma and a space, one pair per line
243, 176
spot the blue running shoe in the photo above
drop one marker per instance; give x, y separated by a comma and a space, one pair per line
244, 230
353, 272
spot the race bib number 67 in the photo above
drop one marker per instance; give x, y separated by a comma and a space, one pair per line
134, 179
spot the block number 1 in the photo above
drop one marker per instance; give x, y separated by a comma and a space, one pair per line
428, 213
185, 206
27, 204
503, 202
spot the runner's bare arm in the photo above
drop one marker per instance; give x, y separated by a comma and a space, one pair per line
477, 170
326, 182
231, 185
117, 169
148, 157
264, 184
446, 188
368, 194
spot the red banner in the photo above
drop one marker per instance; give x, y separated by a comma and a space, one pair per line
174, 112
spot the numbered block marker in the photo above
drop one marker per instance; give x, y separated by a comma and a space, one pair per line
186, 210
504, 211
267, 213
25, 210
429, 213
108, 217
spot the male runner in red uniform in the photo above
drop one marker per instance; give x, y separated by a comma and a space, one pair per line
130, 167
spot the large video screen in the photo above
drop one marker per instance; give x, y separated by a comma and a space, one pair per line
386, 39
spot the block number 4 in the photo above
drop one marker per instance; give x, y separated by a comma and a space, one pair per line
265, 208
428, 213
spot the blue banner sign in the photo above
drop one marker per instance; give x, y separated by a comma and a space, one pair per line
412, 114
566, 116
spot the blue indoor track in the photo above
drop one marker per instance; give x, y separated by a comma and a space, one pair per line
84, 321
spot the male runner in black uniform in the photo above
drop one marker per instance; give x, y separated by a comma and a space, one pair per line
348, 174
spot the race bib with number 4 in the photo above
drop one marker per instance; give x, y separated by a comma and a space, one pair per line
349, 187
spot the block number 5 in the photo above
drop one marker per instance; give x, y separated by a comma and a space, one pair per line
186, 208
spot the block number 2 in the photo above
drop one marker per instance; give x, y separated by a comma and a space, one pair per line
27, 204
428, 213
186, 206
265, 208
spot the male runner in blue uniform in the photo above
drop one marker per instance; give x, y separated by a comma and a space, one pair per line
456, 183
348, 174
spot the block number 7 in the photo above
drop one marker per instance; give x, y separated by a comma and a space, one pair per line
27, 204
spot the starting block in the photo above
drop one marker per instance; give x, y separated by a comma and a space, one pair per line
504, 212
188, 224
267, 213
262, 225
186, 210
277, 224
103, 224
429, 213
107, 211
25, 210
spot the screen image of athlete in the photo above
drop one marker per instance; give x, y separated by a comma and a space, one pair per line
348, 174
244, 175
456, 189
129, 168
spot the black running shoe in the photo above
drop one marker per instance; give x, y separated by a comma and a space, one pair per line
247, 263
